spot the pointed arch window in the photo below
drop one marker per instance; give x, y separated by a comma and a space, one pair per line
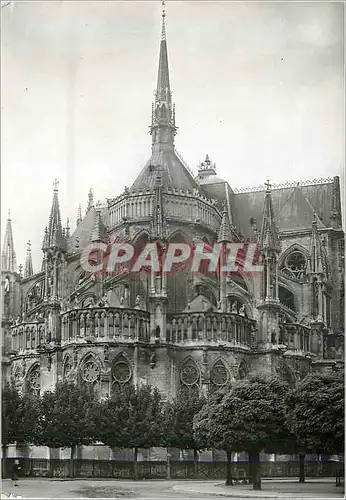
34, 381
90, 370
295, 264
219, 376
121, 373
190, 380
67, 368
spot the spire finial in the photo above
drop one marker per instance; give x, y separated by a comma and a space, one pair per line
163, 31
90, 199
79, 214
55, 185
9, 215
268, 186
28, 262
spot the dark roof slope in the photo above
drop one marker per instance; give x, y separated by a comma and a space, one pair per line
293, 207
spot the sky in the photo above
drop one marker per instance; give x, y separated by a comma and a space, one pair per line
259, 86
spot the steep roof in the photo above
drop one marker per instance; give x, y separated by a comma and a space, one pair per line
83, 234
174, 174
247, 205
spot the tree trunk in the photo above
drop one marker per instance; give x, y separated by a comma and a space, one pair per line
229, 479
135, 464
195, 463
254, 460
4, 461
72, 454
301, 468
168, 464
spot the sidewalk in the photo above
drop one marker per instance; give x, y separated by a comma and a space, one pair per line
271, 488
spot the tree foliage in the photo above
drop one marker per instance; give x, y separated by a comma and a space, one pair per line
178, 420
316, 414
67, 416
19, 416
250, 416
132, 418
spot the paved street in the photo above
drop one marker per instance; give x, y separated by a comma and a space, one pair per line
148, 490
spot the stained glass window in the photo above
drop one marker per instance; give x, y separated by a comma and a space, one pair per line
90, 372
34, 381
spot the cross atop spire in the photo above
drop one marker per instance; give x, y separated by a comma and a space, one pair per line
163, 127
55, 185
163, 30
268, 186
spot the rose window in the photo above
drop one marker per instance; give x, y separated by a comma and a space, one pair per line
295, 264
121, 372
34, 381
219, 374
90, 372
189, 374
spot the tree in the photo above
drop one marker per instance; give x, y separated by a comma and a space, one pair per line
209, 430
316, 415
19, 417
178, 419
68, 417
132, 418
250, 416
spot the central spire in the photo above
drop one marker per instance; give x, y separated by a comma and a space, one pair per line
163, 127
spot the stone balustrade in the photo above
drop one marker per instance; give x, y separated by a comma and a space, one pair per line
216, 327
297, 337
27, 335
180, 204
105, 324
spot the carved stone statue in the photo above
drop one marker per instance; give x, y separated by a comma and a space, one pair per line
234, 308
106, 353
219, 305
76, 302
242, 310
105, 300
122, 300
138, 301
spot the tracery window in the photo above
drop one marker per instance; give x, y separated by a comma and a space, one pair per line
295, 265
90, 371
67, 368
121, 373
219, 376
34, 381
189, 378
18, 380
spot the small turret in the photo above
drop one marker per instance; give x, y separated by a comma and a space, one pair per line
9, 262
269, 235
79, 215
98, 232
90, 200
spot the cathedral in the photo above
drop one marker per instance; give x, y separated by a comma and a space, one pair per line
181, 332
